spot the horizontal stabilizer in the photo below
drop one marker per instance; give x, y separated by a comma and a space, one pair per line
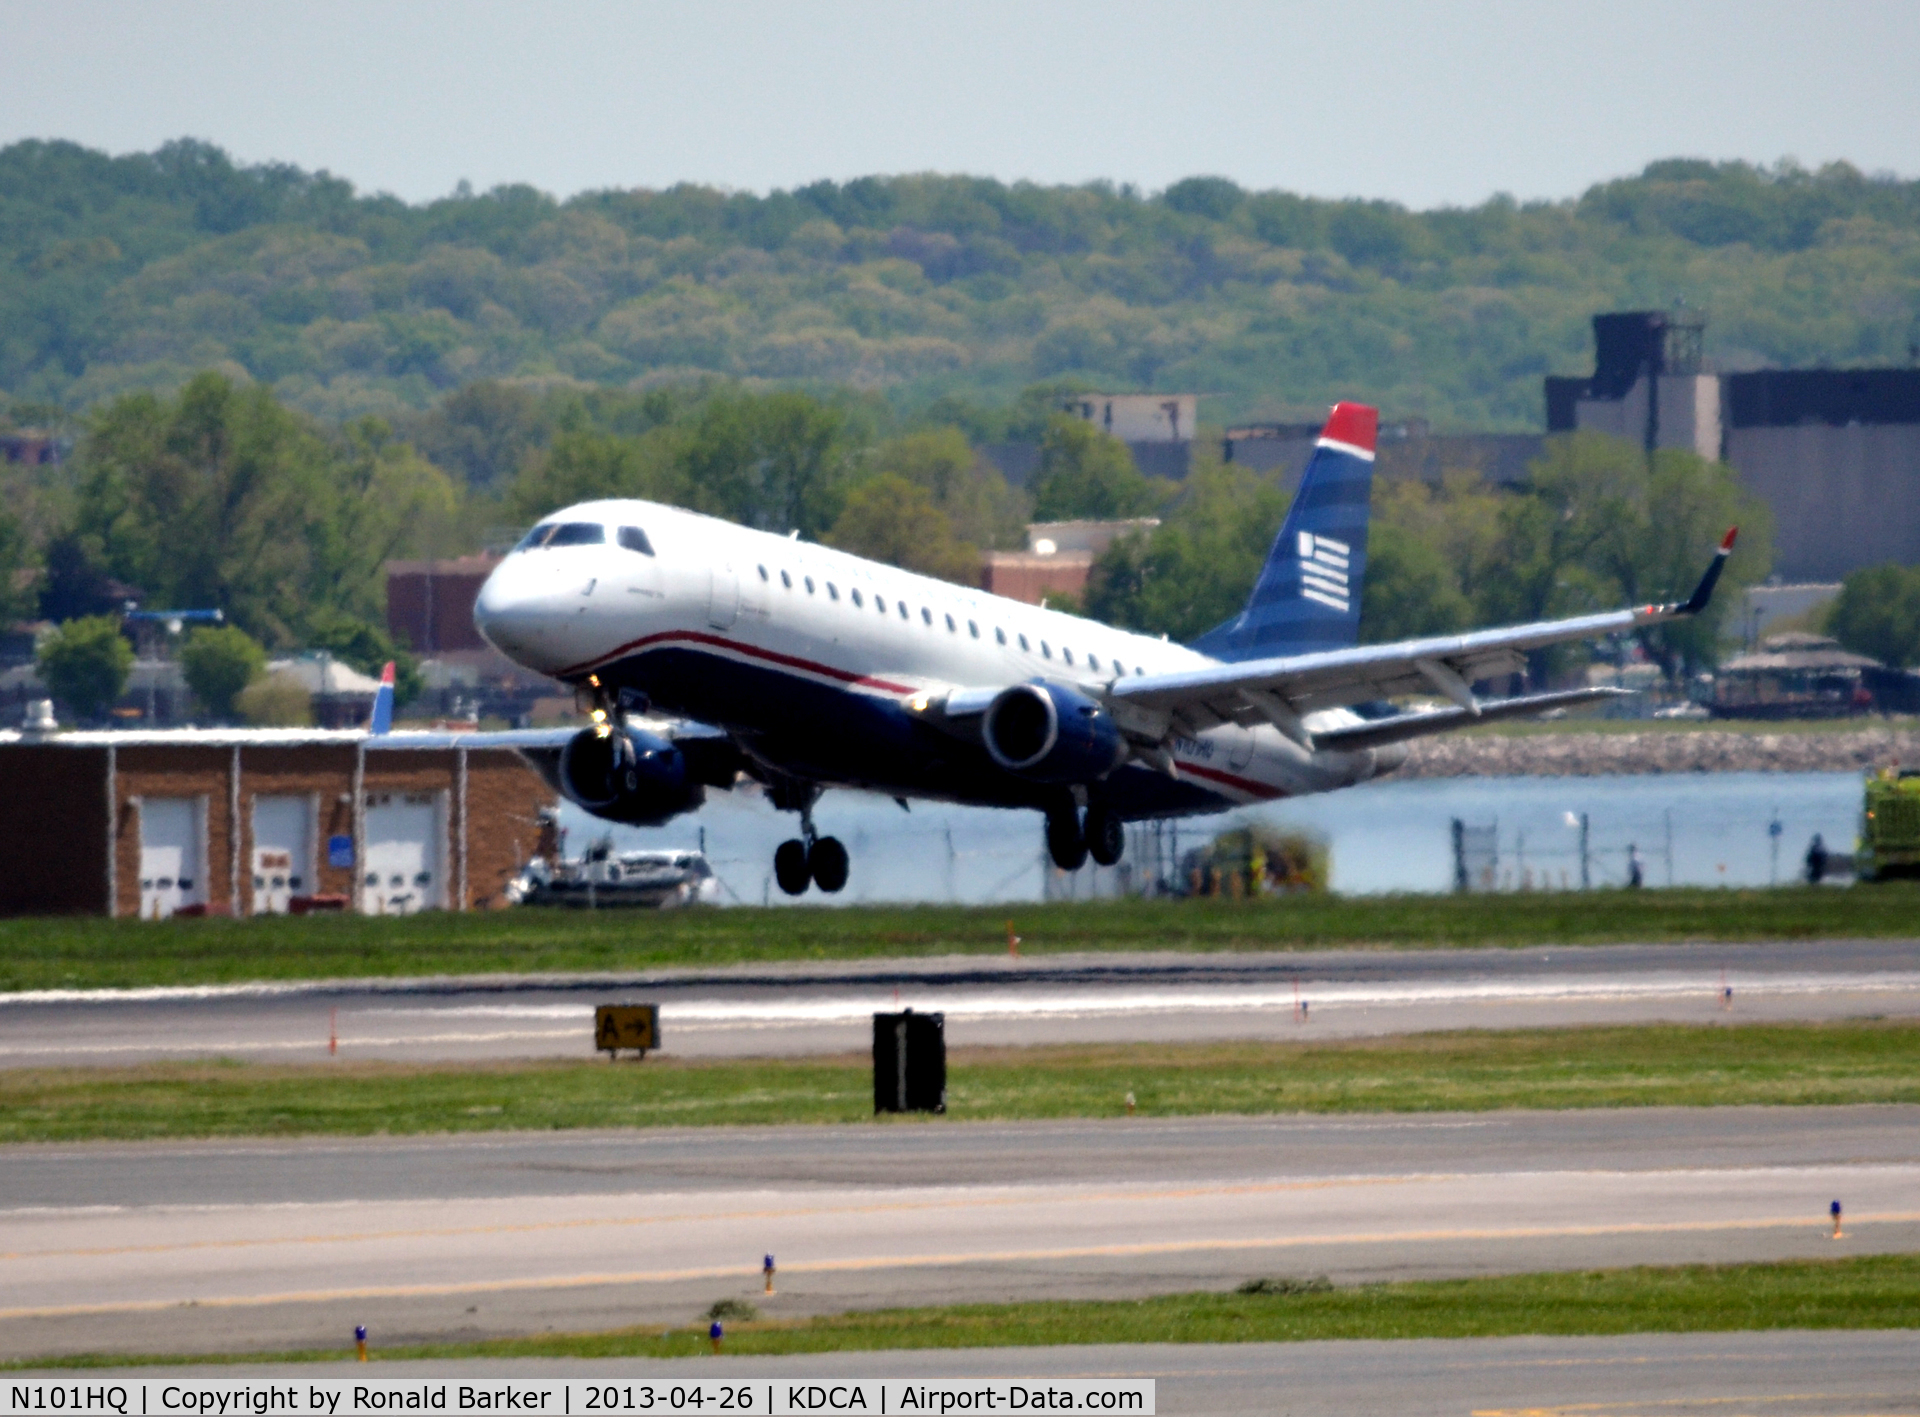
1403, 726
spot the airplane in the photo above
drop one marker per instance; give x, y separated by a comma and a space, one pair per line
805, 668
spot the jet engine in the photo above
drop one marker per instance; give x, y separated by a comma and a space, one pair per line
627, 776
1050, 733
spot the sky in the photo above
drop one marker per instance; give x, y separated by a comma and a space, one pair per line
1426, 104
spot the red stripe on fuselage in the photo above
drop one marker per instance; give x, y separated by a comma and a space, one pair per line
719, 641
1242, 784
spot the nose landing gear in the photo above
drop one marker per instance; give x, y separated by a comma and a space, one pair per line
809, 858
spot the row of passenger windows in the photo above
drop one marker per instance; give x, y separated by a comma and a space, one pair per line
953, 626
552, 534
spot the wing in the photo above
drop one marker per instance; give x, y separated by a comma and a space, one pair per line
1283, 691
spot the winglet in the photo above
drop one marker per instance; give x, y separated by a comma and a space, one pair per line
382, 720
1352, 427
1703, 592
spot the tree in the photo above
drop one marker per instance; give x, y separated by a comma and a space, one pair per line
85, 664
16, 569
1198, 567
891, 519
367, 648
585, 464
776, 461
1409, 590
1878, 614
218, 663
1085, 472
276, 701
971, 492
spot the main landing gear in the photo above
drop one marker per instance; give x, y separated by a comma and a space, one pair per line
809, 858
1070, 839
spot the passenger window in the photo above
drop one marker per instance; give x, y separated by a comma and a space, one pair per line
763, 573
635, 539
999, 635
583, 534
880, 604
1024, 645
973, 629
1137, 670
903, 609
833, 591
1066, 654
1093, 661
951, 626
1046, 649
854, 596
809, 581
1119, 668
926, 614
786, 580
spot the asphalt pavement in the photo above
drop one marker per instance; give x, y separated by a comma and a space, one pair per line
822, 1008
1781, 1373
224, 1247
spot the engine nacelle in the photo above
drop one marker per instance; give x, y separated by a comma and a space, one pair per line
628, 776
1050, 733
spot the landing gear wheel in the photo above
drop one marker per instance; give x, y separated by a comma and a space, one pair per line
790, 867
1065, 844
828, 861
1106, 836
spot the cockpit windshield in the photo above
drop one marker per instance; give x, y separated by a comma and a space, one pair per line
563, 534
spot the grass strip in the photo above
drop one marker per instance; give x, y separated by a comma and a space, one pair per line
1868, 1292
73, 952
1468, 1071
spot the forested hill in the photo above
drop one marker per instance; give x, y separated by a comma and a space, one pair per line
127, 272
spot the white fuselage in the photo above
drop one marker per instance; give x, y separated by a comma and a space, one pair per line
754, 633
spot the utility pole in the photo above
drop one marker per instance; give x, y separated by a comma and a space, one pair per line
1586, 870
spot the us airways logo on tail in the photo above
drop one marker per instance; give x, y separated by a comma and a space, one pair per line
1324, 571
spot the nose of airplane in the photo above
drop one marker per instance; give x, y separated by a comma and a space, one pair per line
510, 610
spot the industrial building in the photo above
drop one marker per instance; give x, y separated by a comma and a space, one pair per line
260, 821
1834, 452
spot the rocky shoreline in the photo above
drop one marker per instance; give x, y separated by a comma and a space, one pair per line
1624, 754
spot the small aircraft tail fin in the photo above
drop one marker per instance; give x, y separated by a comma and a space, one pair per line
382, 720
1308, 594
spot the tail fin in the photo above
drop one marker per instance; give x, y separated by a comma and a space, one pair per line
382, 720
1308, 594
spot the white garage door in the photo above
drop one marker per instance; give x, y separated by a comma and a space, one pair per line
402, 873
282, 852
169, 856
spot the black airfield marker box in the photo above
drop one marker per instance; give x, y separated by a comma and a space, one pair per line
909, 1062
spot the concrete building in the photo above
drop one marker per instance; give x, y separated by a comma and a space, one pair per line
1835, 452
1057, 561
1157, 429
259, 821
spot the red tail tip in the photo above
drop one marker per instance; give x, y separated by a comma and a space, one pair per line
1355, 424
386, 673
1726, 542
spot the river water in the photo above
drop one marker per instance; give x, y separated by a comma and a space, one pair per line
1704, 829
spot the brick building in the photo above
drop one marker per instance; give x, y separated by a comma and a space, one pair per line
259, 821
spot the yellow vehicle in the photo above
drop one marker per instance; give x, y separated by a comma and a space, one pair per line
1890, 825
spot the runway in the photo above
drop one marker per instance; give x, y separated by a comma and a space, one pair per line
819, 1008
1782, 1373
219, 1246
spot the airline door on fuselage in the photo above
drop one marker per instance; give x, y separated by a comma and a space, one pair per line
723, 595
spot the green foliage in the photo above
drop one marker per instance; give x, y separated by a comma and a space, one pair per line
970, 491
1085, 472
366, 647
132, 272
17, 564
1598, 527
275, 701
891, 519
1197, 567
85, 664
218, 664
1878, 614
